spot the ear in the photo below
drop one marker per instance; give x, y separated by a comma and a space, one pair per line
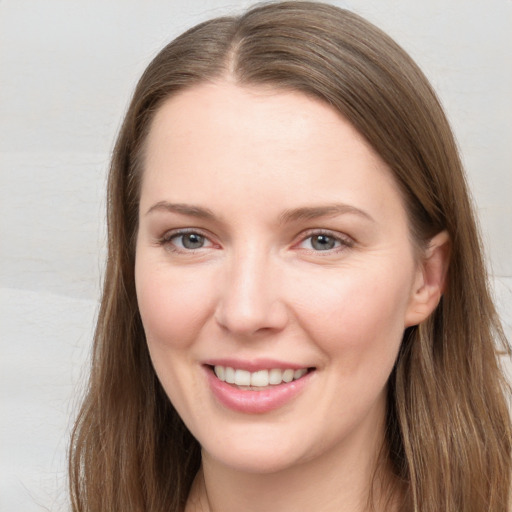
430, 280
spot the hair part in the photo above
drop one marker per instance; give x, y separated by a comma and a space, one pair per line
448, 435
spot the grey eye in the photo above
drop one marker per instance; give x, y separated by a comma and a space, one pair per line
191, 240
323, 242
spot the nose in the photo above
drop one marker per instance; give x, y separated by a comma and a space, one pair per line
251, 296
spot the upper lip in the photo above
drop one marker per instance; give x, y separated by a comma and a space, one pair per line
254, 365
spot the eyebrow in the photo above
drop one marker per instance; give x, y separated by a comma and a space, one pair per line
313, 212
293, 215
183, 209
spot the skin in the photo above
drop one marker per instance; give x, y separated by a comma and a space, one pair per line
260, 287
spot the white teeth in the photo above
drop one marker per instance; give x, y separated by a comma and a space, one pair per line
260, 378
288, 375
229, 375
220, 372
242, 378
275, 376
297, 374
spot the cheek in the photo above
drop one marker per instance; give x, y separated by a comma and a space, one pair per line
359, 315
172, 306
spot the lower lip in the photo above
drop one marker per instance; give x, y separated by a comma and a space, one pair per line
255, 402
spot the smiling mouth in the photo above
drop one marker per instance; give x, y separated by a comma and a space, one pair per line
258, 380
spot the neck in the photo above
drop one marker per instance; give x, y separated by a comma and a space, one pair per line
340, 482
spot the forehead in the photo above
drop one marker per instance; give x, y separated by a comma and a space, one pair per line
252, 145
273, 117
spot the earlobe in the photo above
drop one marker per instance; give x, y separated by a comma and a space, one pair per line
431, 279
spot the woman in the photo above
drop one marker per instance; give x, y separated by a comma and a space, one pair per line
295, 312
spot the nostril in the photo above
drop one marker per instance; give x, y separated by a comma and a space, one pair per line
250, 319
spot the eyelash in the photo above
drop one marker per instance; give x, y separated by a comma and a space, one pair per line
343, 242
167, 240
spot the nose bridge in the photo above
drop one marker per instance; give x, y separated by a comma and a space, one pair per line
251, 299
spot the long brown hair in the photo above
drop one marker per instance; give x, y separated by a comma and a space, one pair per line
448, 426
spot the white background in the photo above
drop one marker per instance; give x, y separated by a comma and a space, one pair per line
67, 69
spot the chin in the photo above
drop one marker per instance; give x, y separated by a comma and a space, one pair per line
260, 462
261, 452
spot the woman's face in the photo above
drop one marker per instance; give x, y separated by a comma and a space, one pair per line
273, 252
